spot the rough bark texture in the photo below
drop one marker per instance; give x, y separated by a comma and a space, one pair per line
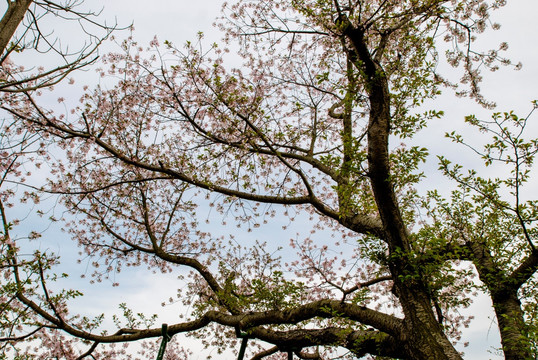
11, 20
510, 318
424, 338
504, 288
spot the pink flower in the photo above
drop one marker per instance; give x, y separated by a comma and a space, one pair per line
154, 42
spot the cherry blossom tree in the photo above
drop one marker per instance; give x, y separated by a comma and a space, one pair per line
305, 127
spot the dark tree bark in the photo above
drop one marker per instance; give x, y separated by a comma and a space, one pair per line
424, 338
11, 20
504, 288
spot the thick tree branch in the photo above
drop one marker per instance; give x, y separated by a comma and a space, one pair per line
265, 353
525, 271
250, 321
361, 343
11, 20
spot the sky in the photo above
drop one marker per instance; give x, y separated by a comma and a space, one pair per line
180, 20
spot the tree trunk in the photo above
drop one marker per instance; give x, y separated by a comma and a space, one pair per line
511, 325
425, 339
503, 289
11, 20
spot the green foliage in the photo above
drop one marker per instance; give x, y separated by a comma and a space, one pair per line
275, 293
17, 357
131, 320
489, 221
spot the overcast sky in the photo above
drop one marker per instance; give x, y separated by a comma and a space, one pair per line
180, 20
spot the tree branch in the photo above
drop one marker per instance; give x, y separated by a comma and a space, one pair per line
11, 20
526, 270
360, 343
